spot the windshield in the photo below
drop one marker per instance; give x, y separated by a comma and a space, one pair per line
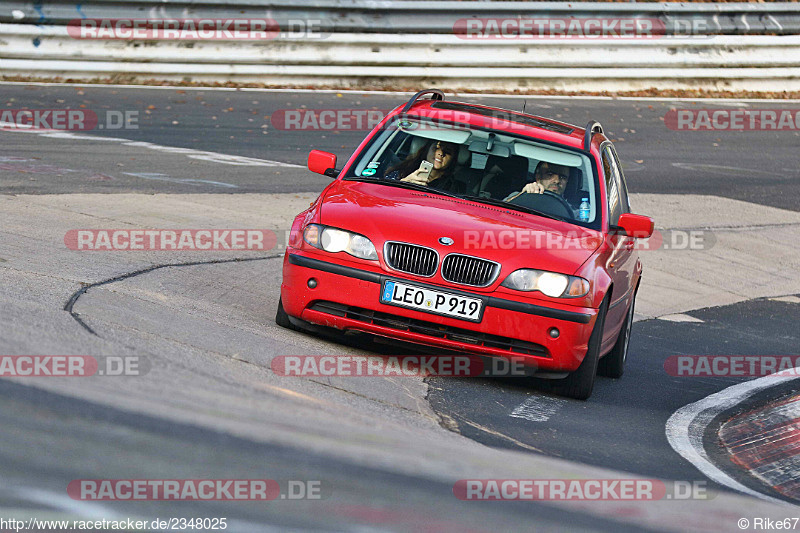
487, 166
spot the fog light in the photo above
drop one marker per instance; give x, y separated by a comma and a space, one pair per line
554, 333
312, 283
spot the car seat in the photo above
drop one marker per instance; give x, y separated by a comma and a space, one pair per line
408, 148
512, 177
465, 176
574, 193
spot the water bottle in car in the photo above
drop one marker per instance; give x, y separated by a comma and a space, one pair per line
584, 210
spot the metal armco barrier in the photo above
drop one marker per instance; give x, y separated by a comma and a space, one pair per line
395, 43
399, 16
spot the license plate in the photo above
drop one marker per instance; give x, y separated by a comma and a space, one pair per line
431, 301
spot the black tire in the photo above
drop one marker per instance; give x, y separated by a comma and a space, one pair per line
282, 319
579, 384
613, 364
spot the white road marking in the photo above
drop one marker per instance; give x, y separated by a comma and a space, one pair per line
686, 427
679, 317
63, 502
214, 157
157, 176
538, 408
733, 103
74, 136
787, 299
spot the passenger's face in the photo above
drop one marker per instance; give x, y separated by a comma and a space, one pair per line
554, 181
442, 155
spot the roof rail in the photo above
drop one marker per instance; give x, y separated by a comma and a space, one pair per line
591, 128
437, 95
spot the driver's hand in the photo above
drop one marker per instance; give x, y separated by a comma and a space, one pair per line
415, 177
533, 188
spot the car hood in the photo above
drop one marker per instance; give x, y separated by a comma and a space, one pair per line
512, 238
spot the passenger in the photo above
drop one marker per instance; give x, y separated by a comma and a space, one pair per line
443, 156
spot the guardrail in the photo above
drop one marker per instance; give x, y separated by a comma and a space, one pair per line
409, 43
408, 16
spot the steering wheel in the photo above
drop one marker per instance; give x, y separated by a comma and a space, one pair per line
546, 202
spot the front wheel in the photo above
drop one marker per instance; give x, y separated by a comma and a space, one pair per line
579, 384
281, 318
613, 364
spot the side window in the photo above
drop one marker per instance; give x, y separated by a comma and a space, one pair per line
623, 187
612, 186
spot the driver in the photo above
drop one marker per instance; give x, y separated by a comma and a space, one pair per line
548, 177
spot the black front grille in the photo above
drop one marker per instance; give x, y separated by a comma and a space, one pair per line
430, 328
411, 258
468, 270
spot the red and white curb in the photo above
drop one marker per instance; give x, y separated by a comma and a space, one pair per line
686, 427
766, 442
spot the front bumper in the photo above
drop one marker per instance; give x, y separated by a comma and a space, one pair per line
348, 298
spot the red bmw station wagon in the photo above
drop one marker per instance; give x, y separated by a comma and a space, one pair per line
474, 229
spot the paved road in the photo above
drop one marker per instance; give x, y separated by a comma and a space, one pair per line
621, 427
104, 443
755, 166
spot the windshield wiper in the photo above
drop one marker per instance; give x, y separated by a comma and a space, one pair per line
405, 185
515, 207
479, 199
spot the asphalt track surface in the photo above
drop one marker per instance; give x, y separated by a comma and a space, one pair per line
53, 435
57, 438
622, 425
754, 166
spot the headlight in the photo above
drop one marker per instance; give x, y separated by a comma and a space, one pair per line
548, 283
336, 240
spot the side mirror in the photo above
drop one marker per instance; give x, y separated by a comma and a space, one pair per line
322, 163
638, 226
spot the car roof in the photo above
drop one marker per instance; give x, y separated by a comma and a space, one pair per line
501, 119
